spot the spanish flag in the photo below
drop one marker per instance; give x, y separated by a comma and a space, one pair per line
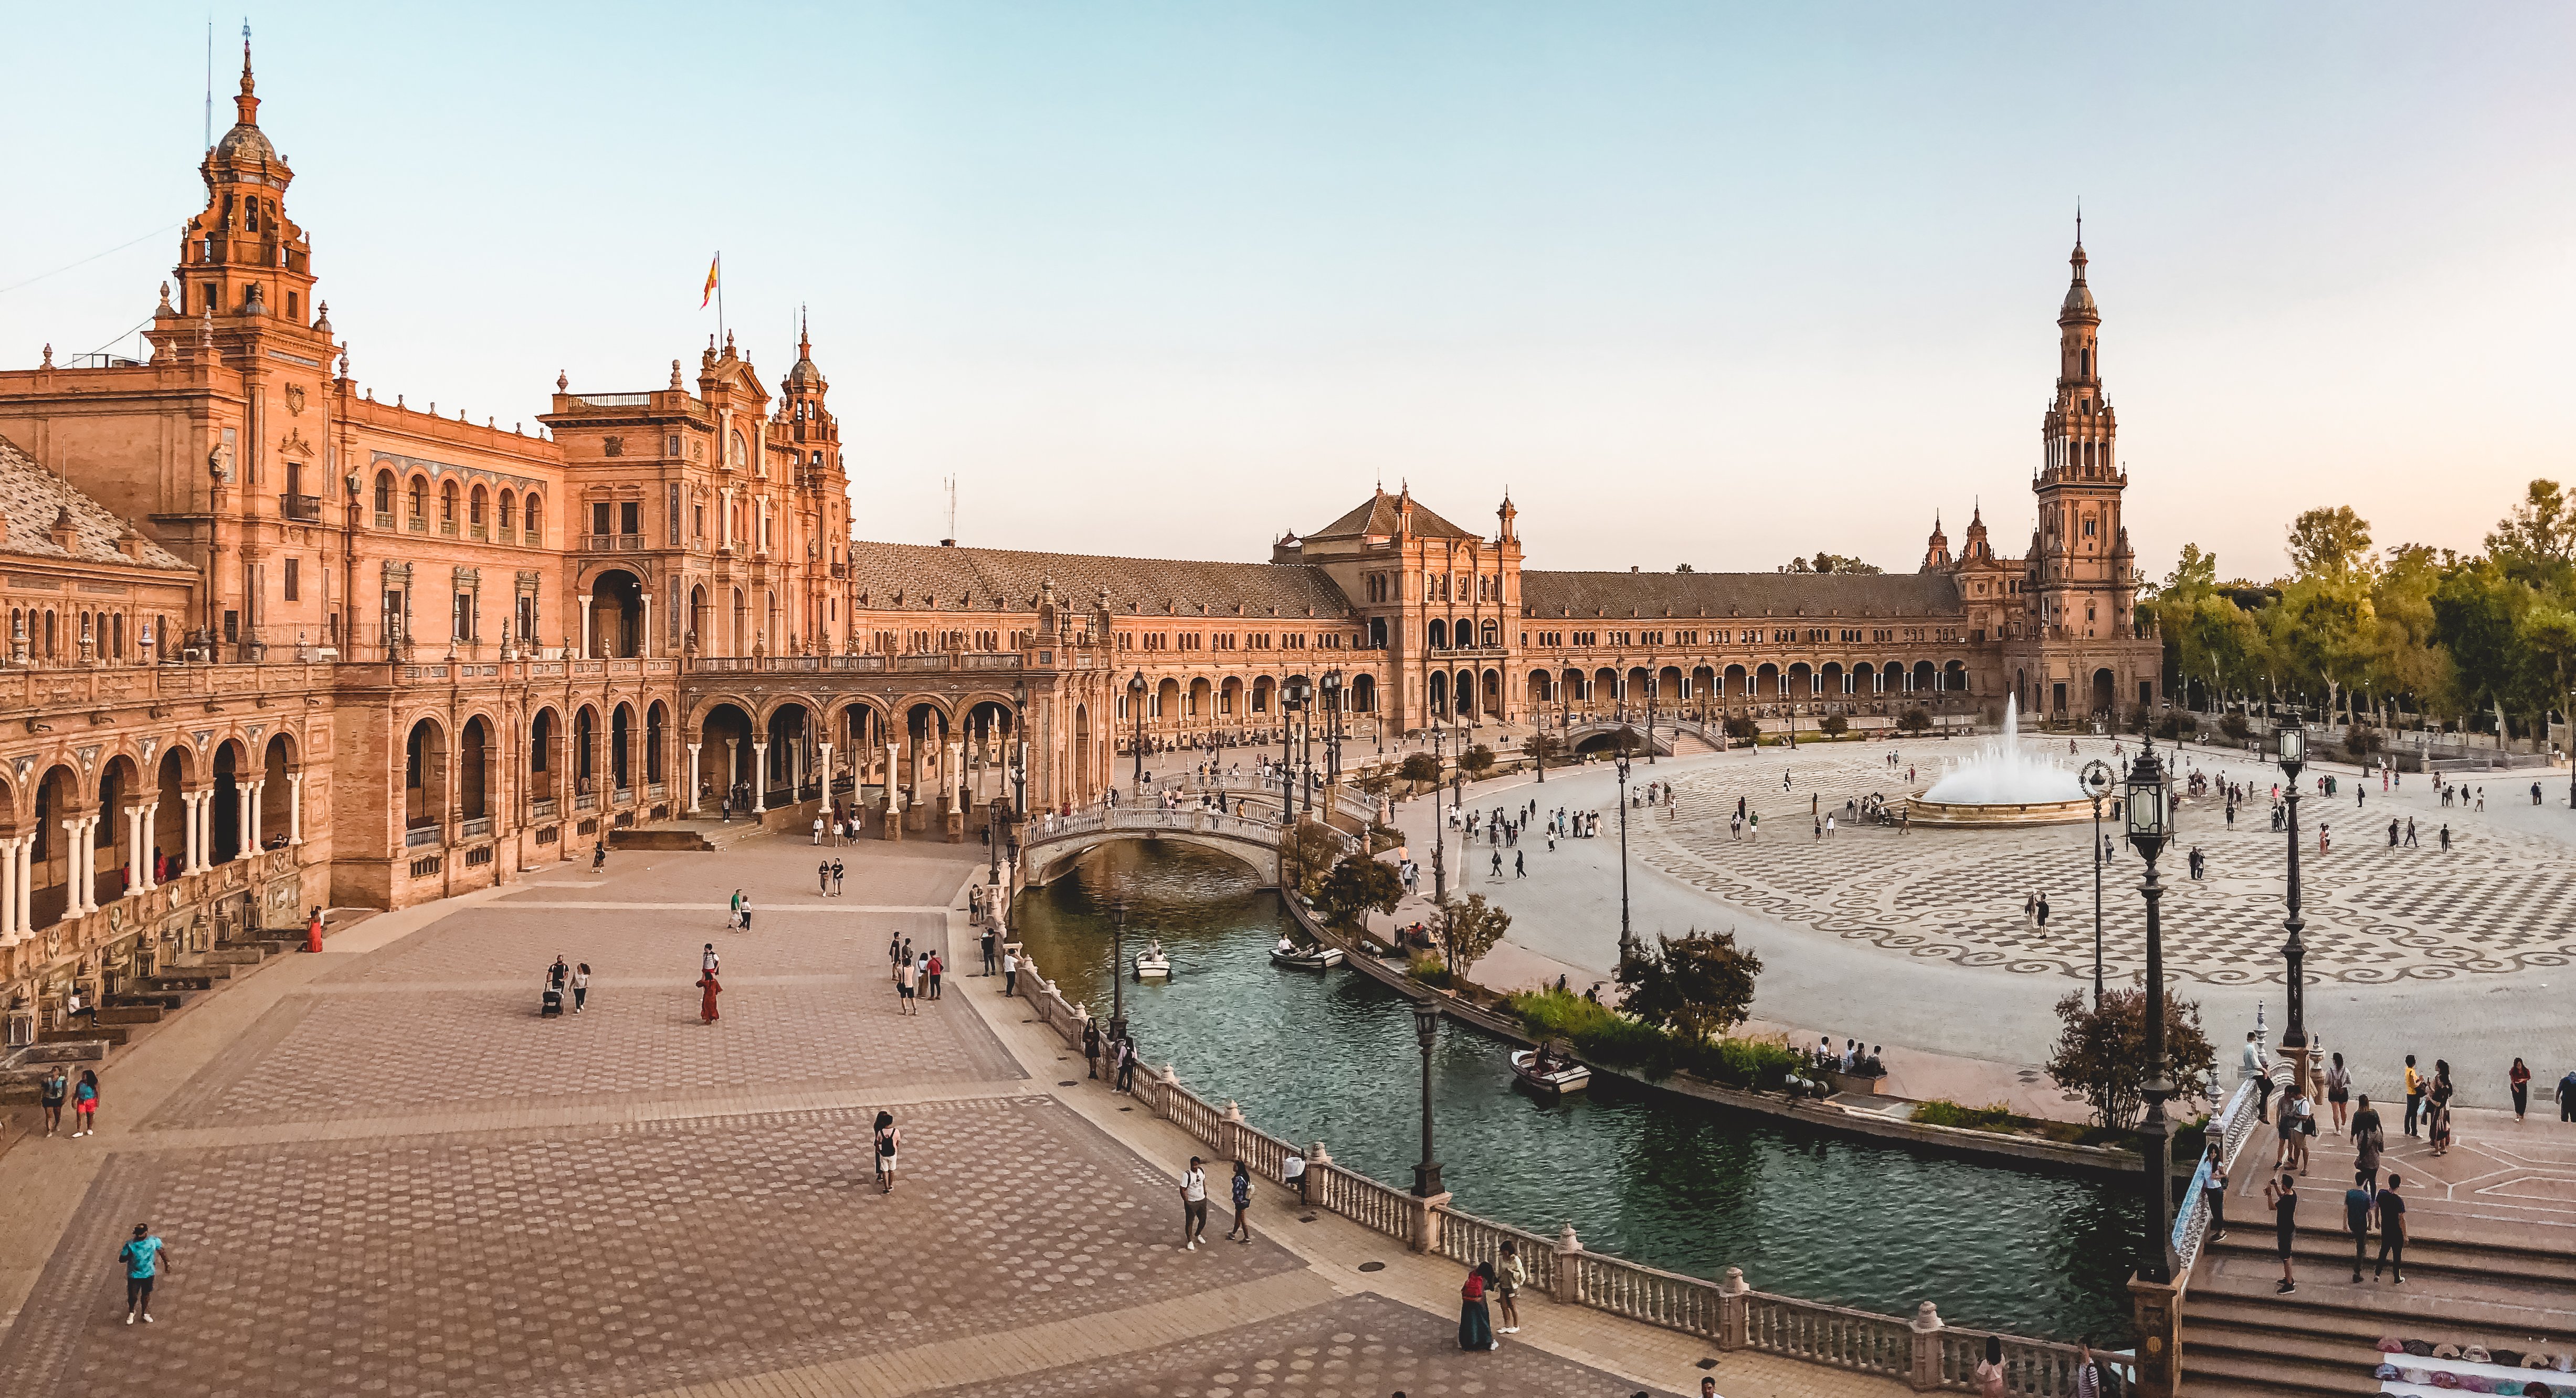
715, 271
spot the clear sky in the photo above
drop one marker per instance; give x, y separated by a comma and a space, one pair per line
1700, 283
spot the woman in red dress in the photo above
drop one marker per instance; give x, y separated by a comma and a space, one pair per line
707, 1001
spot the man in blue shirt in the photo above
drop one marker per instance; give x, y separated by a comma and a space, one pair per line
2357, 1204
144, 1258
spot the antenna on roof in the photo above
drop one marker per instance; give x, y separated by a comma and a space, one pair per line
951, 541
210, 80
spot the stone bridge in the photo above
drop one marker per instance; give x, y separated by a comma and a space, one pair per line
1051, 846
1602, 735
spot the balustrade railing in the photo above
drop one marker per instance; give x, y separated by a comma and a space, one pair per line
1828, 1335
1468, 1240
420, 835
474, 829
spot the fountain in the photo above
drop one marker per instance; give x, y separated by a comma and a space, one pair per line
2001, 784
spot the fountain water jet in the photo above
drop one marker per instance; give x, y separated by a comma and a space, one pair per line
2001, 783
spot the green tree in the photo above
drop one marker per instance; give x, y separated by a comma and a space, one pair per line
1740, 729
1356, 887
2477, 615
1469, 929
2329, 543
1825, 562
2324, 631
2536, 543
1698, 985
1421, 769
2101, 1053
1540, 747
1306, 850
2546, 635
1834, 725
1913, 721
1476, 762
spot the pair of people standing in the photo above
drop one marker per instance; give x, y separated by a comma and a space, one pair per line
738, 915
1500, 1280
827, 879
59, 1089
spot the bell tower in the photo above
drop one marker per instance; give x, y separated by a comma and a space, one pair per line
2082, 578
242, 258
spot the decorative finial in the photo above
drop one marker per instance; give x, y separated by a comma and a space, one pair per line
563, 381
323, 321
675, 376
165, 296
49, 357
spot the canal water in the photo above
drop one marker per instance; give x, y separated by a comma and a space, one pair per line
1679, 1185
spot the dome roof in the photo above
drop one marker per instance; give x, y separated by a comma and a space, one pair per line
2079, 297
803, 376
245, 143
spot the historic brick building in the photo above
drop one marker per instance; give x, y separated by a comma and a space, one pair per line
275, 642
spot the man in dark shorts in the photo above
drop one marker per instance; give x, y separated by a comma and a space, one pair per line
57, 1090
2392, 1232
144, 1257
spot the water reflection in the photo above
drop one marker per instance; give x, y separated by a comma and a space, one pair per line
1332, 1057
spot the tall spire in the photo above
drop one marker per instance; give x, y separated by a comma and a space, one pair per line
246, 106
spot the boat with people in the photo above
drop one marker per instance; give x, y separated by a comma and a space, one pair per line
1549, 1070
1304, 958
1152, 964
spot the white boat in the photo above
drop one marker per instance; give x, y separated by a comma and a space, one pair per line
1152, 964
1560, 1074
1313, 958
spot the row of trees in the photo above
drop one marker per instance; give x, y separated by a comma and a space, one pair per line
2484, 640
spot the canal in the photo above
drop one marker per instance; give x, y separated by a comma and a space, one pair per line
1675, 1184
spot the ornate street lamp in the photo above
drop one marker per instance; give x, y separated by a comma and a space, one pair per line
1654, 681
1136, 709
2293, 740
2151, 827
1627, 942
1332, 730
1292, 699
1426, 1025
1118, 977
1439, 831
2097, 780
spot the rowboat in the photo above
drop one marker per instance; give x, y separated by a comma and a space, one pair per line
1153, 965
1558, 1077
1314, 958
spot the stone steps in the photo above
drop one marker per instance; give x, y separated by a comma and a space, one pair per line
113, 1013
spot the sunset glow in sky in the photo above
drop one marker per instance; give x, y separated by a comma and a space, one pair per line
1699, 283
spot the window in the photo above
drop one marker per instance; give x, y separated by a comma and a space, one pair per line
419, 503
464, 616
509, 510
630, 517
671, 512
384, 492
294, 572
599, 517
447, 508
528, 621
698, 521
671, 444
393, 624
532, 520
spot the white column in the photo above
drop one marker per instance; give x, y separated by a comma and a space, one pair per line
295, 808
76, 874
584, 600
26, 861
893, 774
137, 875
201, 823
760, 776
241, 820
826, 750
645, 646
149, 858
955, 777
9, 929
258, 789
693, 778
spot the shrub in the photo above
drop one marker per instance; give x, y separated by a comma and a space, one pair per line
1357, 886
1427, 969
1742, 730
1602, 1035
1382, 838
1834, 725
1941, 1111
2235, 726
1421, 769
2173, 725
2101, 1052
1476, 762
1697, 986
1914, 721
2361, 742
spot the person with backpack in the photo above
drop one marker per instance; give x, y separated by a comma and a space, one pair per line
889, 1138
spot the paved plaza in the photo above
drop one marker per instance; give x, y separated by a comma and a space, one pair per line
379, 1171
1918, 939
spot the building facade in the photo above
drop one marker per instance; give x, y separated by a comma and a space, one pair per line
276, 643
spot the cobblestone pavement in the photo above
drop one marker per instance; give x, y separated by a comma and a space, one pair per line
1353, 1347
2500, 902
391, 1176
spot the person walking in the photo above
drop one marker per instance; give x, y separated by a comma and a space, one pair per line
2414, 1096
145, 1257
580, 986
2216, 1192
907, 988
2338, 1091
1127, 1063
2392, 1232
2358, 1203
1510, 1275
85, 1104
1241, 1232
2518, 1078
822, 875
889, 1140
745, 915
936, 967
313, 929
836, 878
2368, 1140
990, 947
2567, 1096
1475, 1321
1193, 1205
1010, 973
818, 827
2282, 1196
708, 991
707, 960
57, 1090
733, 911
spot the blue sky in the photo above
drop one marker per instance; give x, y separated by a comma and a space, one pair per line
1715, 284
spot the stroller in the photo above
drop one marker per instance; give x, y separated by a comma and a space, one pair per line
552, 1005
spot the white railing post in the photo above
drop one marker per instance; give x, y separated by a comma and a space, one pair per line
1924, 1373
1733, 1308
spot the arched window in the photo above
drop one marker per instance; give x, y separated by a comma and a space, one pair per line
385, 493
509, 510
735, 449
474, 507
533, 532
419, 502
447, 507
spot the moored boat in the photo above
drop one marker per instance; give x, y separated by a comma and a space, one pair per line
1549, 1073
1152, 964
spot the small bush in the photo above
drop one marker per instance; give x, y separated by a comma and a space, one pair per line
1914, 721
1382, 838
1835, 725
2235, 727
1742, 730
1428, 969
1941, 1111
2362, 742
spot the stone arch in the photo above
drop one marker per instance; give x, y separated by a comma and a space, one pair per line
1736, 682
119, 788
1670, 685
1954, 677
1199, 703
59, 797
173, 777
425, 776
657, 742
1164, 708
1768, 682
793, 747
1439, 692
278, 770
1229, 698
1542, 687
1924, 677
1364, 693
616, 622
475, 755
585, 750
1437, 637
225, 837
545, 755
1491, 701
724, 733
621, 746
1834, 679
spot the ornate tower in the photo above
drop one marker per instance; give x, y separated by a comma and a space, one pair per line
243, 257
1936, 550
2081, 579
804, 423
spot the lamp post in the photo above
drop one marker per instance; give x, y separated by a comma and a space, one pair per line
1426, 1024
1626, 940
2294, 951
1333, 699
2097, 784
1118, 976
1439, 832
1654, 681
2150, 813
1136, 710
1292, 697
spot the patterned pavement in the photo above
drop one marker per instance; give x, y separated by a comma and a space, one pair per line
386, 1175
2499, 903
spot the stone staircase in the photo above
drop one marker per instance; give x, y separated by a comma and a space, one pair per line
132, 1011
2469, 1280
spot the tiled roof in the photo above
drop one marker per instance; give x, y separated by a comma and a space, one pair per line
1738, 594
35, 498
1378, 514
905, 577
